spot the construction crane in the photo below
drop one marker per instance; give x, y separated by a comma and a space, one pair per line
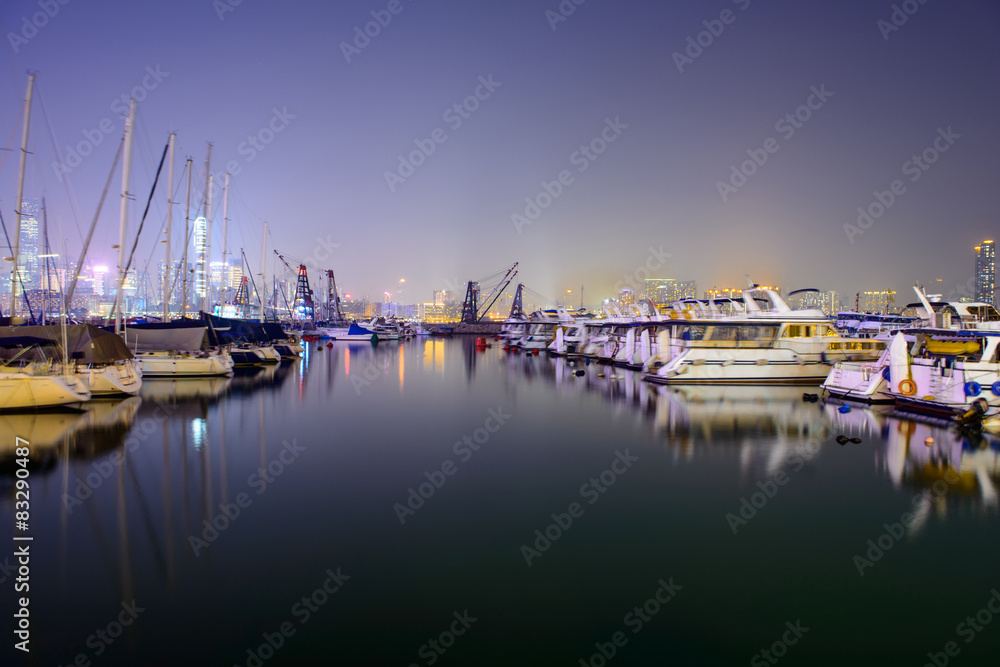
302, 305
470, 308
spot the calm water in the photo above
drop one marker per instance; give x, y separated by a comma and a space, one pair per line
734, 506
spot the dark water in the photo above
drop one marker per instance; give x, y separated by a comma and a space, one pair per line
648, 484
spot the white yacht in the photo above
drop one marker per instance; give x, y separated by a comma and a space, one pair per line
777, 345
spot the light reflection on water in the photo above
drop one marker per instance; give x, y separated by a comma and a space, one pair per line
374, 420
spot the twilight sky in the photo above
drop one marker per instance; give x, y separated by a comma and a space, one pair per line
642, 135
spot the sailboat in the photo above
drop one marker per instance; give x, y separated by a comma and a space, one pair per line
31, 380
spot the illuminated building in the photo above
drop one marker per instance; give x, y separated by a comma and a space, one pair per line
986, 272
200, 275
876, 301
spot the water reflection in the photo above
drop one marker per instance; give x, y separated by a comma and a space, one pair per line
768, 424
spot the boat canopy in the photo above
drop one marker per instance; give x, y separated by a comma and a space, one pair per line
188, 335
87, 344
243, 331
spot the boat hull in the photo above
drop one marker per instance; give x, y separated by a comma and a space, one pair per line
183, 364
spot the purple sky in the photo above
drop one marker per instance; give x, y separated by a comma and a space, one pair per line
343, 125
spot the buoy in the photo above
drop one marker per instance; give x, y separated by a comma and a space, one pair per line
580, 373
856, 441
842, 440
844, 409
480, 342
535, 352
929, 441
329, 344
600, 375
586, 361
319, 349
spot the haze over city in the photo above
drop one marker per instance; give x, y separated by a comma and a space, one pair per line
454, 138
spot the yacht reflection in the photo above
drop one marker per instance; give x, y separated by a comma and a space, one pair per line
250, 379
945, 464
182, 390
98, 427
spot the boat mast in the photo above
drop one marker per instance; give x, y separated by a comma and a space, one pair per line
224, 286
207, 266
15, 279
263, 271
187, 231
170, 219
123, 218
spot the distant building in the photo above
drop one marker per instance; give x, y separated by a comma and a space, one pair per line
735, 292
201, 276
625, 297
877, 301
687, 289
828, 302
986, 272
661, 291
441, 297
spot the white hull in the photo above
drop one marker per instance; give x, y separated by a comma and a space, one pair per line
858, 381
166, 364
270, 355
21, 390
122, 378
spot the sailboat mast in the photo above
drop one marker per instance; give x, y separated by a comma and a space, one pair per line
207, 266
263, 271
15, 279
170, 220
224, 286
123, 218
187, 232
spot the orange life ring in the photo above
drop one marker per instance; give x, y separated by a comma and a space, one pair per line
907, 387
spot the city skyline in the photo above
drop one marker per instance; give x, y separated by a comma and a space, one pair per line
712, 141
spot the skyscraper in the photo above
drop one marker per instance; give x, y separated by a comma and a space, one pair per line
986, 272
201, 276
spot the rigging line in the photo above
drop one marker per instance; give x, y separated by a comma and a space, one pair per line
20, 278
70, 193
128, 264
93, 225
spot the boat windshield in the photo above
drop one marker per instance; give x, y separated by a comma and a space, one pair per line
984, 313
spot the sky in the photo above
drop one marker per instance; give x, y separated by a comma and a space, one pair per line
592, 143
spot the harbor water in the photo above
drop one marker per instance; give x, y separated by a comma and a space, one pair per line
430, 503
